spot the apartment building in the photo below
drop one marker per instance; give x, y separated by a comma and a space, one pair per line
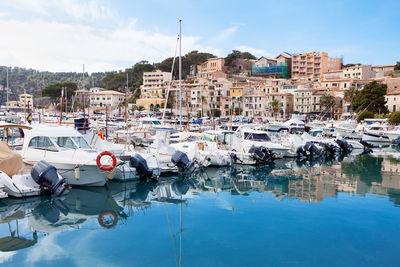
108, 98
360, 72
206, 69
155, 84
302, 100
24, 101
313, 65
285, 103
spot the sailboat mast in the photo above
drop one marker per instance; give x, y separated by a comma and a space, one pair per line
126, 100
84, 98
7, 84
180, 72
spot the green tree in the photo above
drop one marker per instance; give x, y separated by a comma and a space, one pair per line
372, 97
275, 106
54, 90
366, 114
230, 59
216, 113
117, 80
192, 58
397, 66
394, 118
171, 100
327, 102
349, 94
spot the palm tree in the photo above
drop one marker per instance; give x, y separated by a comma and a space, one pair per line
349, 94
327, 101
274, 106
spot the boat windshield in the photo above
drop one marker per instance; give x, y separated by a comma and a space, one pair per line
256, 136
64, 142
81, 142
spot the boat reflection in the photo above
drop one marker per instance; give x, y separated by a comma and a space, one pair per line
306, 180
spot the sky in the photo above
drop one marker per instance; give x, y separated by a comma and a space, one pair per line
106, 35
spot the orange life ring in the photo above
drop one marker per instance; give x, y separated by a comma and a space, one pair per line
105, 167
107, 224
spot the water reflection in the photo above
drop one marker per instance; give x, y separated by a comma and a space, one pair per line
111, 206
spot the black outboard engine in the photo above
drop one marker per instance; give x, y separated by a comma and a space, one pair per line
344, 146
140, 164
396, 141
46, 176
300, 151
262, 154
329, 148
183, 163
312, 149
366, 144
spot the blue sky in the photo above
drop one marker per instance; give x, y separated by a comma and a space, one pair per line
109, 35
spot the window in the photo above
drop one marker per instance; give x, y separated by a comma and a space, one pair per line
81, 142
42, 142
64, 142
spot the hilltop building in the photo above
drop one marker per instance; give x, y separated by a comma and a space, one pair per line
313, 65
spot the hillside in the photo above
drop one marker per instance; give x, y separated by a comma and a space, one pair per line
31, 80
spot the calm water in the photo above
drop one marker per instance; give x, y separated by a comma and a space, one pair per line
298, 214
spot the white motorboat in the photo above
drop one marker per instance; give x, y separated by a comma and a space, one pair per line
375, 133
68, 151
42, 180
223, 139
205, 153
244, 138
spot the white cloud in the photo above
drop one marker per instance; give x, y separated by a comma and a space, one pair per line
252, 50
57, 46
47, 249
76, 9
62, 35
227, 33
6, 256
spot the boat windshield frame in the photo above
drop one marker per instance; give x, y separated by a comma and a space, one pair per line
256, 136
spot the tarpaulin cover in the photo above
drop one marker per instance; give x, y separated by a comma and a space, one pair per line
10, 162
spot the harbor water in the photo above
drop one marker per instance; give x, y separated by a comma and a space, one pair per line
295, 213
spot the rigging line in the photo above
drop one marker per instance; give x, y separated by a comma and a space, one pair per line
170, 80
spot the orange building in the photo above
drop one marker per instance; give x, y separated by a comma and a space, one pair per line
313, 65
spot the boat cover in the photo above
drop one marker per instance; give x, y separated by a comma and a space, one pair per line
10, 162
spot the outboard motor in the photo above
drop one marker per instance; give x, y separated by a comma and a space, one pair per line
183, 163
140, 164
300, 151
396, 141
366, 144
344, 146
46, 176
261, 154
329, 148
312, 149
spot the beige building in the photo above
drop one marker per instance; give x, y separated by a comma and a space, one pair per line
393, 101
24, 101
206, 69
109, 98
383, 70
313, 65
360, 72
155, 84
